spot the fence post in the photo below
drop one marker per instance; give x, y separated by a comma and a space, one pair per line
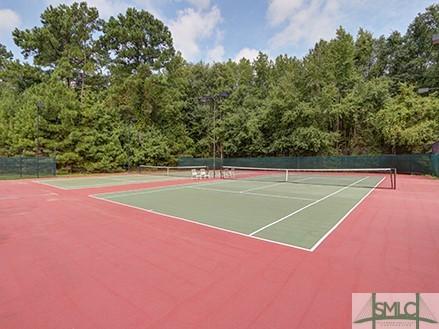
38, 167
21, 166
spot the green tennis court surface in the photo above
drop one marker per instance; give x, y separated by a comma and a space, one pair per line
298, 215
100, 181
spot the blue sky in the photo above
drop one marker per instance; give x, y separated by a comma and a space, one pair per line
214, 30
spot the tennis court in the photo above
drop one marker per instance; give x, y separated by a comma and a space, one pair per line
179, 246
146, 174
100, 181
299, 212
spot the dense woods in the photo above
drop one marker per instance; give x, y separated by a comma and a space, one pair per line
103, 95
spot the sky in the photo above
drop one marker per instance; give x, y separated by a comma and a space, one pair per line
214, 30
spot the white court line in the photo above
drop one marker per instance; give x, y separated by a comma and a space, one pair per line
52, 181
66, 179
48, 184
136, 178
313, 248
261, 187
300, 179
159, 189
249, 193
307, 206
280, 196
202, 224
317, 244
108, 183
272, 185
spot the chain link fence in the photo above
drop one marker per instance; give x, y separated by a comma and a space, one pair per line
26, 167
404, 163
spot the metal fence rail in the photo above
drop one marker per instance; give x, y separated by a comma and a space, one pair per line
26, 167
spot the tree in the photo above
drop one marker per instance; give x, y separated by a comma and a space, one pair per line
364, 52
5, 57
8, 105
409, 123
423, 57
342, 61
359, 109
126, 98
262, 68
135, 39
391, 58
21, 76
46, 114
64, 43
97, 140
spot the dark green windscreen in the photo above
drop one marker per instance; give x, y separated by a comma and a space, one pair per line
23, 167
404, 163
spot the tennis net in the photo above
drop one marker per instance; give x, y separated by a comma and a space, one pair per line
181, 171
367, 177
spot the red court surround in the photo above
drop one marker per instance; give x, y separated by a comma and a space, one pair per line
70, 261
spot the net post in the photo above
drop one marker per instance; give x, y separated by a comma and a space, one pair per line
54, 166
418, 308
286, 175
393, 178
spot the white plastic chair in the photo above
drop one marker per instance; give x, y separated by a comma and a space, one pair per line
195, 174
227, 174
203, 173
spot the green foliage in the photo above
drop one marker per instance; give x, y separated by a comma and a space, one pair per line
364, 52
423, 56
5, 56
8, 103
21, 76
97, 143
137, 38
408, 122
15, 75
106, 95
65, 41
43, 119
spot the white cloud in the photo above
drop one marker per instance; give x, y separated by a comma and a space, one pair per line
9, 20
192, 26
306, 22
247, 53
108, 8
216, 54
280, 10
152, 6
202, 4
